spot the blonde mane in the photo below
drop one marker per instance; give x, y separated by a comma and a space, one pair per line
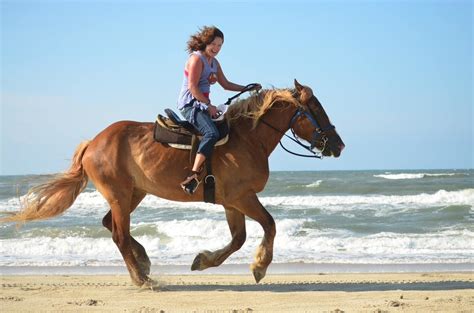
255, 106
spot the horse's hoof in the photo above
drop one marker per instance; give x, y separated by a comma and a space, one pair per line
258, 274
201, 261
196, 263
150, 284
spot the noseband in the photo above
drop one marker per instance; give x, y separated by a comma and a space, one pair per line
319, 135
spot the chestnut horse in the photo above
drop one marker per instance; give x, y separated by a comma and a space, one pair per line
125, 164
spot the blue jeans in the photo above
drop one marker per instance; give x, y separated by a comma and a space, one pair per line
204, 124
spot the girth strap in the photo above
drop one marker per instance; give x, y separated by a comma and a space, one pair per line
209, 179
209, 183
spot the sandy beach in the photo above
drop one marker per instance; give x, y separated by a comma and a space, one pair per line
363, 292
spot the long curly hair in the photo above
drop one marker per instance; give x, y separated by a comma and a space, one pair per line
203, 37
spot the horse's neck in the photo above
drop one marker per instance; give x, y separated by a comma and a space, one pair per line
271, 128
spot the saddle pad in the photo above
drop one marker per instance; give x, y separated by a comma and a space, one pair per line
188, 147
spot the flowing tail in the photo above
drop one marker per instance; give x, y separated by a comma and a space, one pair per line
55, 196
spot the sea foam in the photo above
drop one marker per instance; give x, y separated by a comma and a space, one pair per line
92, 203
414, 175
187, 238
441, 197
315, 184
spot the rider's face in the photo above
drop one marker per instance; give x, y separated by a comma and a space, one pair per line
214, 47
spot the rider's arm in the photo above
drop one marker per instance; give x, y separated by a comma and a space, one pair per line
227, 85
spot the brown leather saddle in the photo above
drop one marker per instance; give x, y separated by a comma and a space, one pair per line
181, 134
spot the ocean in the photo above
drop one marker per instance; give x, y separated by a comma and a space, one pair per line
396, 217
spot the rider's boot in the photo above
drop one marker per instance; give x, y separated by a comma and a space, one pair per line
191, 183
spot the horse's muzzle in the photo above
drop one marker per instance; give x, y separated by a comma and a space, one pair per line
338, 152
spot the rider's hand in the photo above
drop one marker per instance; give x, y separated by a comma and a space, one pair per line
257, 87
213, 112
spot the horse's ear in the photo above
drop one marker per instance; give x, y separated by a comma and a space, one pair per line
305, 93
298, 86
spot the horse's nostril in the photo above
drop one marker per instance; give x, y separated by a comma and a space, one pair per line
342, 146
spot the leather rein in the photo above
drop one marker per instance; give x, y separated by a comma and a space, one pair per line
318, 133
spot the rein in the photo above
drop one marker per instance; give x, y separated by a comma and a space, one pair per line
246, 88
319, 131
295, 139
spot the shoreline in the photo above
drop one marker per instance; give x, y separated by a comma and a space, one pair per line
243, 269
343, 292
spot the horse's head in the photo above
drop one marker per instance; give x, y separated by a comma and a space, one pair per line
312, 124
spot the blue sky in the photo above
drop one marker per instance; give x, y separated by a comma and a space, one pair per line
394, 77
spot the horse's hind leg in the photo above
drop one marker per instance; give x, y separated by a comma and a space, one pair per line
137, 249
236, 221
252, 207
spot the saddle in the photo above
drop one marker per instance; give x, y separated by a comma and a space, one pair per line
181, 134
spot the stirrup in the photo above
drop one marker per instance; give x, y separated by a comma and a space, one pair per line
190, 184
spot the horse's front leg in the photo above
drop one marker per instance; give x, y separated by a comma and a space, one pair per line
252, 207
236, 221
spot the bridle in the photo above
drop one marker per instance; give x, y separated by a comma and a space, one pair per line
319, 134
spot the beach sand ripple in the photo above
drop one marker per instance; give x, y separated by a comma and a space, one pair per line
417, 292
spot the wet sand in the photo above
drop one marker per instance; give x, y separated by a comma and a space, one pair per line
354, 292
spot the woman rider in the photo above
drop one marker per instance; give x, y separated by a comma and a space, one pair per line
201, 71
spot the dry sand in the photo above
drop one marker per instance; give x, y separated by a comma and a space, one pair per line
400, 292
